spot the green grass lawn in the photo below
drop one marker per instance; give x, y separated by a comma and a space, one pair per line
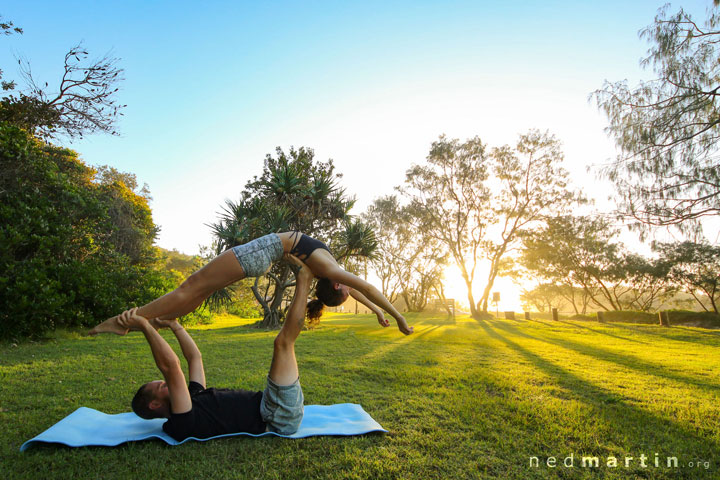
460, 398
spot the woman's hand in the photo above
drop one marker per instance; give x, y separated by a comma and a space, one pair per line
382, 320
403, 326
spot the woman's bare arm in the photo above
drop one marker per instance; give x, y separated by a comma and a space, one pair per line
339, 275
373, 308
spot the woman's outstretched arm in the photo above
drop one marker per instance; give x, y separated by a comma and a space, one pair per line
373, 308
339, 275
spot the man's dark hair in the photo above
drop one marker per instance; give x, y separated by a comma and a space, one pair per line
141, 403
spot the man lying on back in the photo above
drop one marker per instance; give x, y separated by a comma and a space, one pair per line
195, 411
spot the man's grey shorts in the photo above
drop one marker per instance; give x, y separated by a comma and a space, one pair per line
282, 407
256, 257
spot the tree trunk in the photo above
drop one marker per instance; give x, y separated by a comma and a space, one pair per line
271, 321
272, 315
440, 290
486, 293
711, 296
473, 308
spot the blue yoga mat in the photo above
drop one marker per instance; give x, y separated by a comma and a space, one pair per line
87, 427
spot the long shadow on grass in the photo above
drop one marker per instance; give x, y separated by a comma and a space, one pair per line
669, 333
625, 418
541, 322
696, 330
629, 361
601, 332
439, 321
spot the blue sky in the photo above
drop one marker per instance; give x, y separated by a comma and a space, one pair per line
212, 87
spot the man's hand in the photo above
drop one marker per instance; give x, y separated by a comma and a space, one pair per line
132, 321
382, 320
157, 324
304, 271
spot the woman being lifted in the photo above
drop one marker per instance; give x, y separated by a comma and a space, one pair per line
255, 258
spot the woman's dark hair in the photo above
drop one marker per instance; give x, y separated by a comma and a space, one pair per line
326, 295
141, 403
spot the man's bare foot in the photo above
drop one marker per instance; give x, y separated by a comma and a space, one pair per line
109, 326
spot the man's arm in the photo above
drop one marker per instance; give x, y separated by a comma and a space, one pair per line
165, 359
190, 350
303, 281
373, 308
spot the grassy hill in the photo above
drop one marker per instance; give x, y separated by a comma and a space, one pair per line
461, 399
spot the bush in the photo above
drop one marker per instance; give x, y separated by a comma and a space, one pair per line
244, 309
630, 316
201, 316
72, 251
694, 319
676, 317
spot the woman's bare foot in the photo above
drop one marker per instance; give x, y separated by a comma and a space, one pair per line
110, 325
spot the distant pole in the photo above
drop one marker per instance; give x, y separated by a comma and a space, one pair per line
664, 319
600, 317
555, 314
527, 315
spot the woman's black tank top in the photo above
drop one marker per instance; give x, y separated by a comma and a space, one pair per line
305, 246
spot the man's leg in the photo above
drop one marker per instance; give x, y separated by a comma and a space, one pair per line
220, 272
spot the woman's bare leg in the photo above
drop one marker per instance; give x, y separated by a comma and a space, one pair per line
220, 272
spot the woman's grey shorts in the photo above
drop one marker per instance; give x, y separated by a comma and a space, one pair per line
282, 407
257, 257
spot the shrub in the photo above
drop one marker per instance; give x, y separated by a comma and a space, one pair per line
201, 316
695, 319
73, 251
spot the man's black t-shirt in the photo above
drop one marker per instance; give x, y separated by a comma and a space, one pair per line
217, 412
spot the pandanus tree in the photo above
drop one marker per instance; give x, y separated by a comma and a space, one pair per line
294, 192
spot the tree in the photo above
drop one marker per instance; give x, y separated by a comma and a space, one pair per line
579, 252
544, 298
667, 173
424, 276
132, 228
294, 192
447, 198
696, 267
383, 216
83, 103
475, 203
648, 279
408, 261
8, 28
533, 185
64, 258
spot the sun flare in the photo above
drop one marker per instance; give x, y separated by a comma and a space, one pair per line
455, 288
